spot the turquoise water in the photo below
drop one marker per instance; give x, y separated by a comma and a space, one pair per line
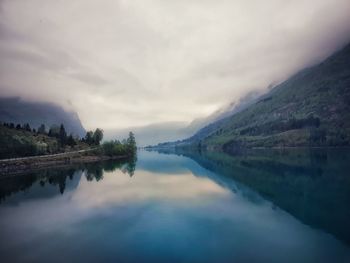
261, 206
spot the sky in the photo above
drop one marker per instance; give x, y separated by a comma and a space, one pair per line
122, 63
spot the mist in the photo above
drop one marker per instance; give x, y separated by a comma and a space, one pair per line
124, 64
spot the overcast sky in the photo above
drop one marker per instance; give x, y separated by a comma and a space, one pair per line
136, 62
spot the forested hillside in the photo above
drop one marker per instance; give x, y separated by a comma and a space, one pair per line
21, 140
312, 108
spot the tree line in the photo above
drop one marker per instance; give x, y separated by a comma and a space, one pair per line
24, 145
125, 147
60, 133
281, 126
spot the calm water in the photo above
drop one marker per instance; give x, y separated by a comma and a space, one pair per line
261, 206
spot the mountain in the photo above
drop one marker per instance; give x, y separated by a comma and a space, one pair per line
18, 111
311, 108
152, 134
169, 131
226, 111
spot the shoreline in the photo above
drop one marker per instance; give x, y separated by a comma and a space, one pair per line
21, 166
219, 149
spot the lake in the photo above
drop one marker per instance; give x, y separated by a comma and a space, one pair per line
250, 206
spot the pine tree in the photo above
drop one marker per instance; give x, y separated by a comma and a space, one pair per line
42, 129
89, 137
27, 127
70, 141
131, 143
62, 135
98, 136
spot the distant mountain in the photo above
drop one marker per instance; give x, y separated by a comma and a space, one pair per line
312, 108
18, 111
226, 111
169, 131
151, 134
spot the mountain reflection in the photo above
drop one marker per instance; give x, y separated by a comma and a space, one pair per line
311, 184
58, 177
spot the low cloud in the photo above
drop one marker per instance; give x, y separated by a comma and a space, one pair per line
133, 63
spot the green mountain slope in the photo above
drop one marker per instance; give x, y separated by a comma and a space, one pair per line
312, 108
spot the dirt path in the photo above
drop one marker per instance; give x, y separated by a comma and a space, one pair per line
25, 164
47, 156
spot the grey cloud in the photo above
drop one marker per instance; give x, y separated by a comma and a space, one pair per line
88, 78
133, 63
32, 58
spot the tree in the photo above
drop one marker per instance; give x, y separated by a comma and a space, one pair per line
131, 143
27, 127
97, 136
54, 131
18, 127
42, 129
62, 135
71, 141
89, 137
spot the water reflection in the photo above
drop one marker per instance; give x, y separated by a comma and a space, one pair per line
58, 177
176, 209
311, 184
